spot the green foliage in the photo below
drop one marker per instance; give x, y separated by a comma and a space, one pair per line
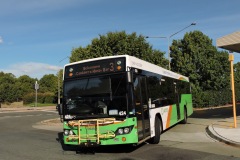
47, 97
7, 87
119, 43
24, 85
15, 89
48, 83
237, 80
12, 88
29, 98
208, 69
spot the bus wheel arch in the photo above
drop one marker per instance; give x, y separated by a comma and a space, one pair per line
158, 130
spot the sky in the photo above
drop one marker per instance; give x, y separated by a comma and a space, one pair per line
37, 37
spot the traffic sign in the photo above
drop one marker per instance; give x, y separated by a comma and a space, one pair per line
36, 86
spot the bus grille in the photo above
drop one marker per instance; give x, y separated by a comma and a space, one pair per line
92, 130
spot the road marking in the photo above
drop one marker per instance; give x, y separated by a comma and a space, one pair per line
28, 115
50, 111
28, 110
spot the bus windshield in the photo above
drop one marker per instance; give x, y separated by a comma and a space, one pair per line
96, 96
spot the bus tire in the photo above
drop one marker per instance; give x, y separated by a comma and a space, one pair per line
158, 130
184, 121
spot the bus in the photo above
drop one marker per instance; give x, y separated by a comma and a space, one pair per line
121, 99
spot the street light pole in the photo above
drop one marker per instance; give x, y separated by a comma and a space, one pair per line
59, 87
169, 58
168, 41
59, 101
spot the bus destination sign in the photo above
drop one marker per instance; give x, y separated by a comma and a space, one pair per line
95, 67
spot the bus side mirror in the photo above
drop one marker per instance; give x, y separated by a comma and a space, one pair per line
60, 109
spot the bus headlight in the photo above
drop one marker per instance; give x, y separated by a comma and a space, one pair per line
124, 130
120, 131
66, 132
71, 132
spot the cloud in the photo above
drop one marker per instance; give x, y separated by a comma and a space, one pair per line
32, 69
1, 40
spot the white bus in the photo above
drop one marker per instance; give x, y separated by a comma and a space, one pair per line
121, 100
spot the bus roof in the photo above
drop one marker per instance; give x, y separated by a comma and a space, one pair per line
134, 62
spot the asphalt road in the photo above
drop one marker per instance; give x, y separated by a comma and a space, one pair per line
19, 140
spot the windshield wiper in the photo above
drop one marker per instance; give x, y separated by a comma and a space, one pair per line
118, 85
86, 84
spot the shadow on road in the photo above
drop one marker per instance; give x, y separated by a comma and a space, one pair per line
222, 112
100, 149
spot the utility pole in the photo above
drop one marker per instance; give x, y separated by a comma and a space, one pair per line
231, 58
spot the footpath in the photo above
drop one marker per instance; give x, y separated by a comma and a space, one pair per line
223, 130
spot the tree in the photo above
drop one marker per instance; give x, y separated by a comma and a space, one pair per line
48, 88
7, 90
119, 43
237, 80
24, 85
237, 72
196, 57
16, 89
48, 83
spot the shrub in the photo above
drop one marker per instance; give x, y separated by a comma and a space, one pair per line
47, 97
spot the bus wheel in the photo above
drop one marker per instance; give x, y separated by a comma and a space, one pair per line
158, 130
184, 121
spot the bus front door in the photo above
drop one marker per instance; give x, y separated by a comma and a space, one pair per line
142, 108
